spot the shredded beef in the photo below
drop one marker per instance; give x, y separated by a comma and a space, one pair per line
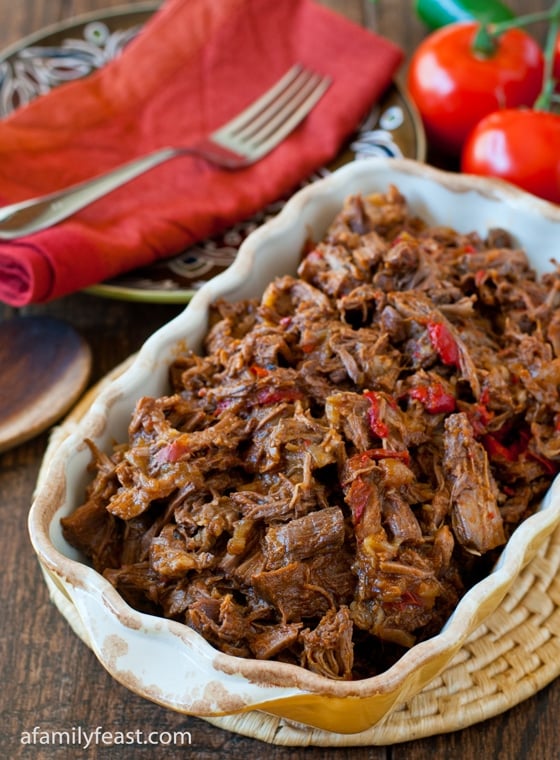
349, 453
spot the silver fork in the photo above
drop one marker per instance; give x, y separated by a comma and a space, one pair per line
240, 142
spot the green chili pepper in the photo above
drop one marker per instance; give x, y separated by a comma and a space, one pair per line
436, 13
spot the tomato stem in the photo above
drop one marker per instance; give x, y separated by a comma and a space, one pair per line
528, 19
486, 39
546, 97
485, 43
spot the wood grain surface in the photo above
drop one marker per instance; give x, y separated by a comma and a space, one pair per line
50, 679
44, 369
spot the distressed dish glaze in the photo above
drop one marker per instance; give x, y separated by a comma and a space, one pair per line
166, 661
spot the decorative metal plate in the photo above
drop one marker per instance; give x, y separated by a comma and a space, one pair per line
79, 46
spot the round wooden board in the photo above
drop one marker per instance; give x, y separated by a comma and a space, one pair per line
44, 368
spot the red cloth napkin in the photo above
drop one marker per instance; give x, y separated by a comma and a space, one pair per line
193, 66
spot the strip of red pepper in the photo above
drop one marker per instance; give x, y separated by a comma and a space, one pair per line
275, 395
496, 449
357, 497
444, 343
407, 599
434, 398
511, 453
172, 452
479, 415
388, 454
359, 492
258, 371
378, 427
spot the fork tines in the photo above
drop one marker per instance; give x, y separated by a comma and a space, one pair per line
273, 116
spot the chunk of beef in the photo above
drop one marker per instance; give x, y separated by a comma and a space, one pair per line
348, 413
315, 533
94, 531
328, 649
309, 588
477, 522
269, 641
223, 623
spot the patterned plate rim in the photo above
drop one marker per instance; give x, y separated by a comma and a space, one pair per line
172, 292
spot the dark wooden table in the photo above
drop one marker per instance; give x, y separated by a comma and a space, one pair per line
50, 679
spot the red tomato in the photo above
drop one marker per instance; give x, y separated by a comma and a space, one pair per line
454, 87
520, 146
556, 68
